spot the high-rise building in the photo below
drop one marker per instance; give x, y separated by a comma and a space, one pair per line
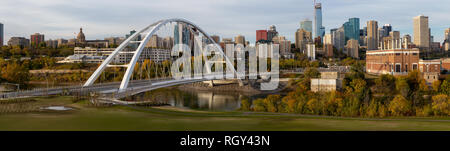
351, 29
154, 42
387, 29
139, 38
36, 39
306, 25
182, 34
311, 52
272, 32
319, 30
224, 43
395, 35
381, 33
239, 39
406, 41
1, 35
327, 39
421, 32
339, 39
261, 35
362, 36
352, 48
447, 39
284, 46
372, 35
302, 37
447, 34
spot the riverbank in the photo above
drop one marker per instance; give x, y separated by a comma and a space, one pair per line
132, 118
251, 89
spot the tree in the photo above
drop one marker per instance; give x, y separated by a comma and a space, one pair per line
441, 104
372, 109
259, 105
399, 106
311, 73
436, 86
385, 84
314, 106
402, 86
445, 87
245, 104
334, 103
273, 103
15, 73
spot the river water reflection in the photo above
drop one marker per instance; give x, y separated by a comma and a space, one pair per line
199, 100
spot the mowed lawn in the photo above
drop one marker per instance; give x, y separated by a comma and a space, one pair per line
125, 118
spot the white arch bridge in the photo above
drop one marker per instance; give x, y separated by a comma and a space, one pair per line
117, 90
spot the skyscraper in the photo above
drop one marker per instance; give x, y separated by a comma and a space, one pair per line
372, 35
319, 30
352, 48
447, 35
306, 25
1, 35
338, 38
387, 29
406, 41
447, 39
302, 37
381, 34
421, 32
355, 27
351, 29
182, 34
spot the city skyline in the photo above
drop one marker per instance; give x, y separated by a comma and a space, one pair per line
62, 19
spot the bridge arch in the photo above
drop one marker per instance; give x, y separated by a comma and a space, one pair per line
152, 29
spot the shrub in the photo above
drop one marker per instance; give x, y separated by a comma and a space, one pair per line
441, 104
259, 105
245, 105
399, 106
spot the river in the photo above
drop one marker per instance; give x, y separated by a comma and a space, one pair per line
196, 99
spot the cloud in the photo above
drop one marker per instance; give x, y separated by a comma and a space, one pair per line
227, 18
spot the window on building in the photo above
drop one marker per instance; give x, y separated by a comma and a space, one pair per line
398, 68
406, 68
414, 66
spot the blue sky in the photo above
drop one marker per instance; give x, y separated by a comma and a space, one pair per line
227, 18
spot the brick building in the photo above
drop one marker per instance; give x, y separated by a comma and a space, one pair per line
446, 64
395, 61
430, 65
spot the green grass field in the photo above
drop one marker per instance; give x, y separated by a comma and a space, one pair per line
152, 119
